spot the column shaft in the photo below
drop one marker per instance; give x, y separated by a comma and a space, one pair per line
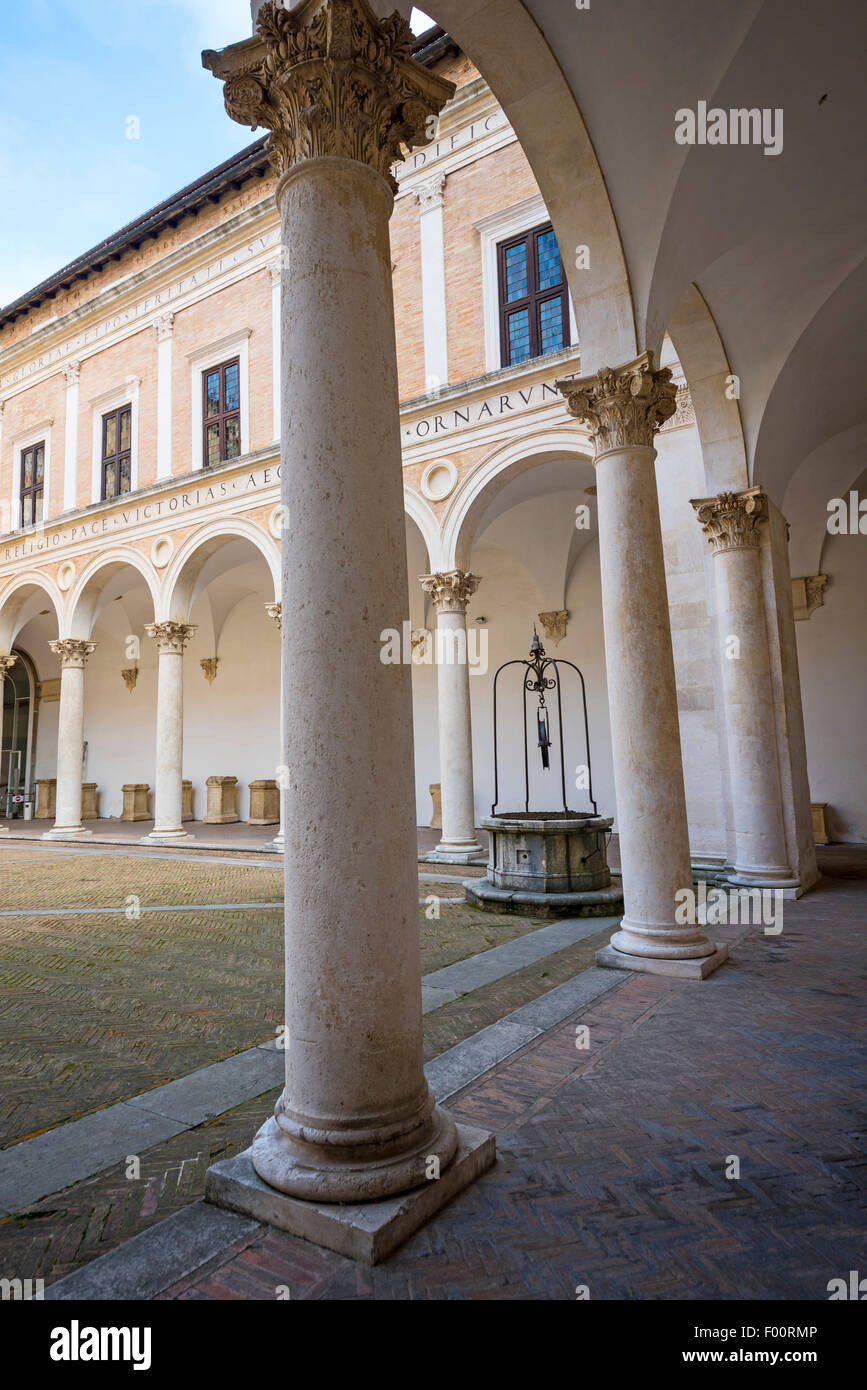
171, 639
451, 592
73, 654
757, 839
623, 410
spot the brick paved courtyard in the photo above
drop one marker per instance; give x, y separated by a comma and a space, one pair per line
612, 1160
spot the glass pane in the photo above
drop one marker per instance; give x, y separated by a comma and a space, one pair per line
26, 510
233, 437
515, 258
549, 261
519, 336
109, 438
124, 429
110, 479
124, 474
213, 438
551, 324
39, 452
232, 401
212, 391
39, 505
27, 468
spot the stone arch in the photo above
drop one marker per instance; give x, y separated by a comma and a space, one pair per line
88, 596
14, 601
544, 115
700, 351
418, 510
482, 484
182, 575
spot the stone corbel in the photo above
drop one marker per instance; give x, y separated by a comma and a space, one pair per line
209, 667
808, 594
130, 677
554, 624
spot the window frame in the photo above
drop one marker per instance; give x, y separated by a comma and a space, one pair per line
119, 454
200, 361
31, 491
40, 433
224, 415
533, 300
106, 403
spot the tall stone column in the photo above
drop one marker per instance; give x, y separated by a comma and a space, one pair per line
451, 592
757, 839
73, 653
357, 1121
7, 661
275, 611
622, 410
171, 639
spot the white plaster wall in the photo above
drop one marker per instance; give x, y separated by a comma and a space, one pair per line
832, 655
119, 726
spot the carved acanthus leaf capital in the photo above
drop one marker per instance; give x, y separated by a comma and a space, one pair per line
808, 594
171, 637
275, 611
6, 662
731, 520
554, 624
431, 194
330, 78
622, 408
130, 678
71, 373
164, 327
451, 590
72, 651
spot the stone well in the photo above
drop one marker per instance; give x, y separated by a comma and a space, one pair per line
547, 864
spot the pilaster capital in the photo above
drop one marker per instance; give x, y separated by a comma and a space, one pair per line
554, 624
624, 407
6, 662
73, 652
71, 373
164, 327
451, 590
275, 270
275, 611
328, 78
431, 194
171, 637
731, 520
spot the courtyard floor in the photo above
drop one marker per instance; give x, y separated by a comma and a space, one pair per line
612, 1158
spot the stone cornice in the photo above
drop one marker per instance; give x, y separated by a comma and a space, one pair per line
731, 520
330, 79
171, 637
72, 651
451, 590
625, 407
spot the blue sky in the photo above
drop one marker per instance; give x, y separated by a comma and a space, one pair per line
72, 73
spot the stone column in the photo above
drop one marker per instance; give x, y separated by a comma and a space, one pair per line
622, 410
275, 611
357, 1121
171, 639
73, 653
451, 592
7, 660
757, 839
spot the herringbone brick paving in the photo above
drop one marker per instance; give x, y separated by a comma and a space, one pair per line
95, 1008
612, 1167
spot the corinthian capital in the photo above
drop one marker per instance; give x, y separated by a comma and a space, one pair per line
451, 591
275, 612
73, 652
330, 78
623, 407
731, 520
6, 662
171, 636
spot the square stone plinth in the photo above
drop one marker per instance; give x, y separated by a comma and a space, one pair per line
135, 801
46, 798
264, 803
697, 969
187, 801
89, 794
367, 1231
221, 808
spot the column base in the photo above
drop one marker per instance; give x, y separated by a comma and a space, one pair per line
456, 852
367, 1231
746, 876
278, 843
165, 837
67, 832
696, 968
